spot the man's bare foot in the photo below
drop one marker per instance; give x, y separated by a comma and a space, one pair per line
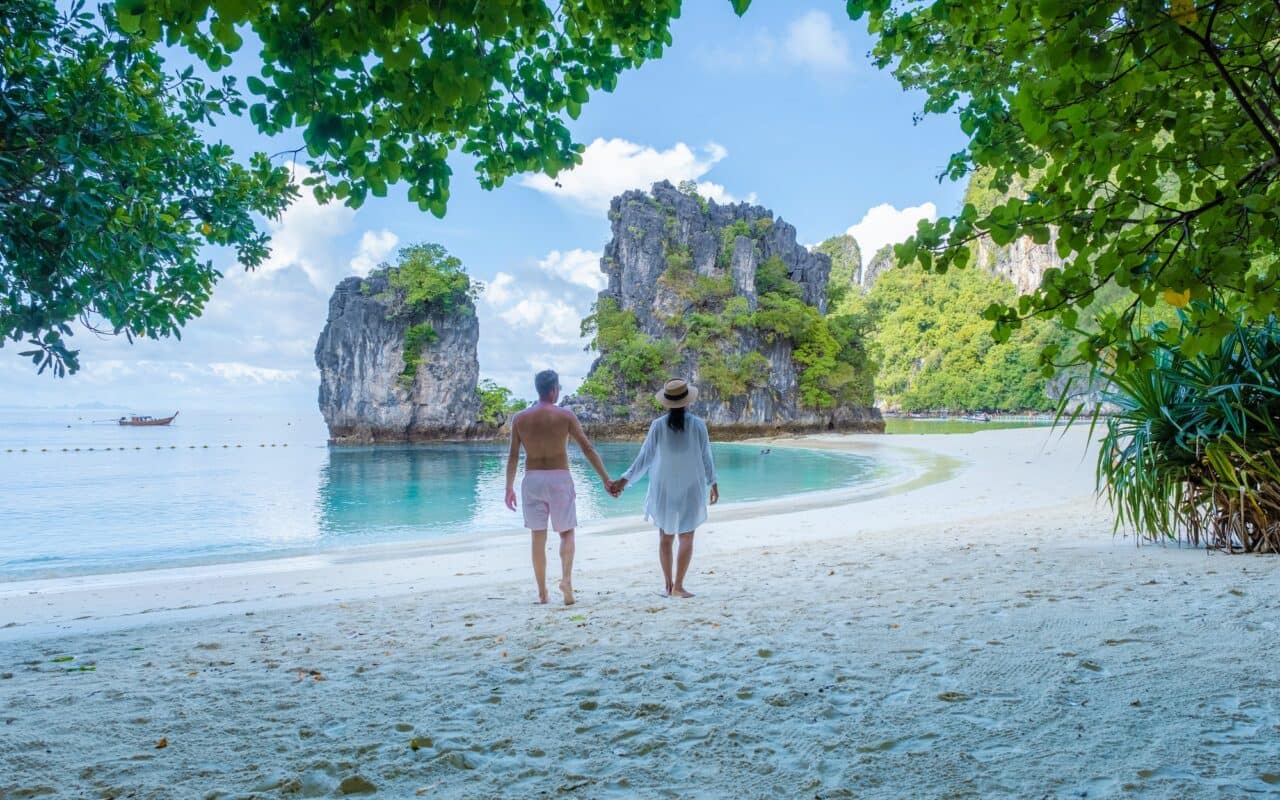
679, 592
567, 589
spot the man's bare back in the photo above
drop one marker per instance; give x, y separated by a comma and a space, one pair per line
543, 430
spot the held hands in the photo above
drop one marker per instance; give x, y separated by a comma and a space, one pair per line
511, 498
615, 487
715, 494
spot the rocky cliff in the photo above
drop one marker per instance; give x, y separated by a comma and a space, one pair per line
371, 393
1022, 262
725, 296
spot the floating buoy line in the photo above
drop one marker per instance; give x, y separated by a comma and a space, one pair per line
138, 447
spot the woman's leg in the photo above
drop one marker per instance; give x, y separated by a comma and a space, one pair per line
682, 564
665, 541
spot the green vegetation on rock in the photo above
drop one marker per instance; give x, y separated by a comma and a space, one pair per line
628, 358
497, 403
416, 338
429, 279
830, 359
425, 280
934, 351
846, 263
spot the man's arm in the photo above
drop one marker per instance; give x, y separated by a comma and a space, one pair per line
580, 436
513, 462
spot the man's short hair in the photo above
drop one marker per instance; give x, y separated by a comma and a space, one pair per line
546, 382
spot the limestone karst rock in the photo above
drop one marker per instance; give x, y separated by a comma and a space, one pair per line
366, 396
674, 255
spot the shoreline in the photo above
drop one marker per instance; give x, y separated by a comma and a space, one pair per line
983, 636
912, 468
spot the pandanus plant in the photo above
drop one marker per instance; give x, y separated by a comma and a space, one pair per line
1193, 453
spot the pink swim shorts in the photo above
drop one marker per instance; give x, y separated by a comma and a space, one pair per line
549, 493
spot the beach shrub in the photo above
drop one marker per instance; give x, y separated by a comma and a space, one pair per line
1194, 452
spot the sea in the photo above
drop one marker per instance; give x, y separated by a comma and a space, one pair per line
80, 493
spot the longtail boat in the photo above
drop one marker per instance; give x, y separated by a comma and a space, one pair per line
140, 422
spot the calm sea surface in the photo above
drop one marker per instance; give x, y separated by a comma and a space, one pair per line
218, 486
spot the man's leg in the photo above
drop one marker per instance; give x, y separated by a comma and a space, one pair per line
682, 564
540, 563
665, 540
566, 565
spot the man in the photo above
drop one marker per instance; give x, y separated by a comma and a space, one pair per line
547, 490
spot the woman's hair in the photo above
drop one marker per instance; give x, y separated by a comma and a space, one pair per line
675, 419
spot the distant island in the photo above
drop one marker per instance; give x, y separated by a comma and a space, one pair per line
780, 337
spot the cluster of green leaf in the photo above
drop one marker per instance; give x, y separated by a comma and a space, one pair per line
933, 350
107, 192
428, 278
384, 93
628, 357
1146, 135
497, 403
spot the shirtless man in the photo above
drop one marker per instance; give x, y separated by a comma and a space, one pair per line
547, 489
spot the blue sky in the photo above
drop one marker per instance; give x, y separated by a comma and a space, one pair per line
781, 107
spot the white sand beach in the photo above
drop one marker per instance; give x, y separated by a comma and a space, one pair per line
983, 634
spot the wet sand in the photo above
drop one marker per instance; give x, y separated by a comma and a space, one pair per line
981, 636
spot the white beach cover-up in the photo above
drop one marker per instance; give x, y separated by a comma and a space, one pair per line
680, 468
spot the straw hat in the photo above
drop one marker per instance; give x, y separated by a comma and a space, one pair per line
677, 394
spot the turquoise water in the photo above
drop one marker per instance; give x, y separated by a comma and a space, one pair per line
225, 487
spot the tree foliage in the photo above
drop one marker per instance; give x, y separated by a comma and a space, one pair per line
1146, 135
381, 93
932, 348
107, 192
428, 278
497, 403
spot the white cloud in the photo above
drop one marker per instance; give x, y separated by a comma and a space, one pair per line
885, 224
374, 247
498, 291
553, 320
813, 41
238, 372
303, 236
612, 166
577, 266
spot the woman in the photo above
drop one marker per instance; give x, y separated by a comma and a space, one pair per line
677, 455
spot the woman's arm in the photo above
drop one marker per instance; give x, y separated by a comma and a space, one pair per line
708, 464
644, 458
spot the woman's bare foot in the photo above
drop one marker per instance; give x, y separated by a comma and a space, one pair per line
679, 591
542, 597
567, 589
